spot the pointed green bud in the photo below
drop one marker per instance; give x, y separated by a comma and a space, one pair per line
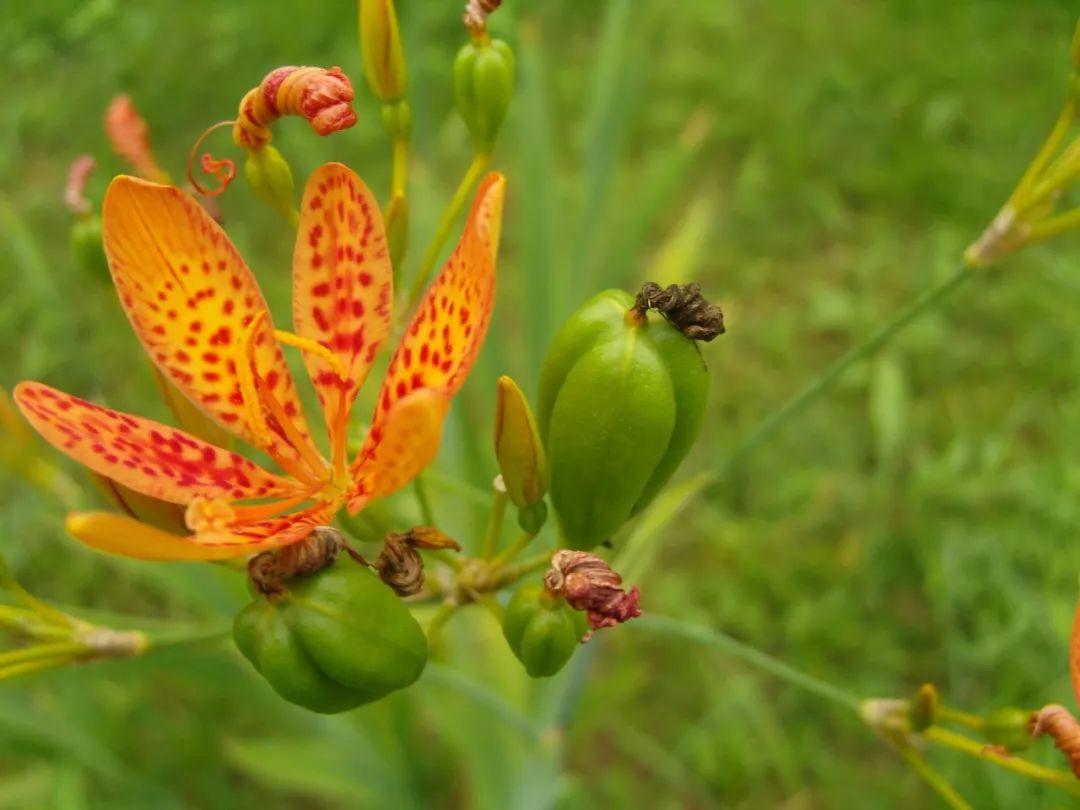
270, 177
522, 461
381, 50
483, 86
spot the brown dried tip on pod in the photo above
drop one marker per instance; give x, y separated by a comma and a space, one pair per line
400, 565
1056, 721
588, 583
476, 14
270, 570
684, 306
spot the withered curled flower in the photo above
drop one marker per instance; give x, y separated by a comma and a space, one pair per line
1056, 721
588, 583
323, 97
400, 565
685, 307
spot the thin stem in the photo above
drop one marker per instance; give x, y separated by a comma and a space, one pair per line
958, 742
922, 304
934, 779
400, 177
441, 617
180, 638
1050, 145
512, 550
512, 573
472, 175
37, 665
427, 513
972, 721
60, 649
748, 655
495, 523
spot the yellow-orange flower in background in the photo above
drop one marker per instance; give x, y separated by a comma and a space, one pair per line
199, 314
129, 136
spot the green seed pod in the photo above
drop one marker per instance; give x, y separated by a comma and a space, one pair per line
270, 177
335, 640
622, 396
483, 85
542, 630
1010, 728
86, 245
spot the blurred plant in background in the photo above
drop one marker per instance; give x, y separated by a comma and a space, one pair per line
888, 528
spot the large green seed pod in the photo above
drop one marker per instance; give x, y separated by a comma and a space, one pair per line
542, 630
622, 396
334, 640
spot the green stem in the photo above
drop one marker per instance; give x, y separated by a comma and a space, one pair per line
512, 550
922, 304
37, 665
60, 649
495, 523
972, 721
748, 655
512, 573
934, 779
472, 175
181, 638
427, 514
958, 742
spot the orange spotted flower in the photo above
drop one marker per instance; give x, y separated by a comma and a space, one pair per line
199, 314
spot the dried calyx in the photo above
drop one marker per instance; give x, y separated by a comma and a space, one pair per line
400, 565
684, 306
270, 570
588, 583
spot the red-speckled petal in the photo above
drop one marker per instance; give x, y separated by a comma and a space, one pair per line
397, 450
149, 457
189, 297
342, 286
440, 346
274, 532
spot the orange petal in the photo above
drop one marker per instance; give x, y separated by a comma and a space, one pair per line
189, 296
275, 532
400, 448
120, 534
441, 344
149, 457
342, 286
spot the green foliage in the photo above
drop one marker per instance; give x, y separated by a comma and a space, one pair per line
814, 167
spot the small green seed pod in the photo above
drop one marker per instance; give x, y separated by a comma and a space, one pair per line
335, 640
270, 177
622, 396
85, 238
542, 630
483, 86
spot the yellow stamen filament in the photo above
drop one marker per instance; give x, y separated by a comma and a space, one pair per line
315, 348
255, 398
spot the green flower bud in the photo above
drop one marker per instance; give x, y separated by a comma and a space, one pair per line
397, 119
381, 50
622, 396
85, 238
1009, 728
270, 177
542, 630
334, 640
483, 85
532, 518
517, 446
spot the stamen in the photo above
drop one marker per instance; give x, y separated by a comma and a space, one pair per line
313, 347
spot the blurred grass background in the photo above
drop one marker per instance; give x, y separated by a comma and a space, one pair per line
814, 166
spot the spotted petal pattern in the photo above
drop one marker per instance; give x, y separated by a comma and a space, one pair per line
447, 331
342, 286
189, 297
149, 457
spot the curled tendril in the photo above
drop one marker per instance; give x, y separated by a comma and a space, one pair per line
221, 170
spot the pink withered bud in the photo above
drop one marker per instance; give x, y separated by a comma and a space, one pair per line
588, 583
129, 136
323, 97
75, 189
